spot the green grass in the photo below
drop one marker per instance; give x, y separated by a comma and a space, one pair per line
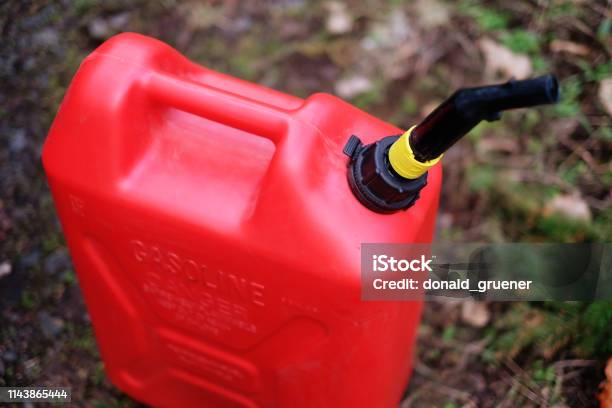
487, 19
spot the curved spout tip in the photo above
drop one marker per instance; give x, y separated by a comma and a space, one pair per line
552, 88
529, 92
469, 106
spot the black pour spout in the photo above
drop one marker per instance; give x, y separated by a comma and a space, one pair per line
467, 107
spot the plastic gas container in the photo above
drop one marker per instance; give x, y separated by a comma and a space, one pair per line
217, 240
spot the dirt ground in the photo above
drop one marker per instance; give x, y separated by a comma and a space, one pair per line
535, 176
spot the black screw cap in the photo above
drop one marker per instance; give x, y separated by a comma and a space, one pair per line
374, 182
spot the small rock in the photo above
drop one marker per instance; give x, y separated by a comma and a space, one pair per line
571, 206
119, 21
58, 261
605, 94
5, 268
102, 28
445, 221
339, 21
47, 37
31, 367
50, 326
9, 356
98, 28
400, 27
353, 86
18, 141
476, 314
82, 373
292, 29
238, 25
30, 259
30, 63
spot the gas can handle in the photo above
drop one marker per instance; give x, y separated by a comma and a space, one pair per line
218, 105
241, 113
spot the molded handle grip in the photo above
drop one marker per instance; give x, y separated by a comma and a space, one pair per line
217, 105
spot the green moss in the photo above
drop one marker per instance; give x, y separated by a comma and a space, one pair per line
560, 229
563, 8
542, 373
481, 177
51, 242
98, 375
530, 118
82, 6
540, 64
574, 173
483, 128
488, 356
596, 73
449, 333
525, 326
486, 18
569, 105
597, 321
603, 31
83, 339
409, 105
521, 41
29, 300
69, 277
604, 133
546, 327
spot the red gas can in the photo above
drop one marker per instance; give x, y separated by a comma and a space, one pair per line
217, 240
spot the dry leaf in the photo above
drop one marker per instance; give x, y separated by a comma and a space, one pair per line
605, 94
432, 13
353, 86
569, 47
476, 314
564, 127
500, 59
498, 144
389, 33
605, 393
199, 16
339, 21
571, 206
5, 269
